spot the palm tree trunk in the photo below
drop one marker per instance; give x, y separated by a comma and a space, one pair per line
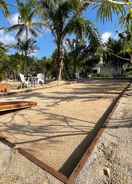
60, 56
26, 55
25, 63
74, 69
60, 69
131, 58
22, 60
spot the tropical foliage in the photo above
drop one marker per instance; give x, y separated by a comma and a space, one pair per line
78, 43
27, 25
65, 18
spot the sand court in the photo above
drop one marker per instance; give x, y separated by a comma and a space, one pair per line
63, 118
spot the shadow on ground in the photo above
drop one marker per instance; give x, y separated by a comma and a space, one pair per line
92, 92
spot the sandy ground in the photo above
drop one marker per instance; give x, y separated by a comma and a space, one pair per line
111, 161
64, 116
16, 169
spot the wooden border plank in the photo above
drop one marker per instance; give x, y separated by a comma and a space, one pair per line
6, 142
37, 162
43, 166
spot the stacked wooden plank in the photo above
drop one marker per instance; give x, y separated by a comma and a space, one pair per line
4, 88
16, 105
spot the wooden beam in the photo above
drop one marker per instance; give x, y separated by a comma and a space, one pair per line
16, 105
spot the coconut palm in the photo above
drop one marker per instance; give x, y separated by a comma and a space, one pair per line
126, 36
3, 59
25, 48
126, 39
27, 25
62, 19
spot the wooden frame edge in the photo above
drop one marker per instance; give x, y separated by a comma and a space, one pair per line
43, 166
37, 162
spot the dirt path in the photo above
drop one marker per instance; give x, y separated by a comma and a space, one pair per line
111, 162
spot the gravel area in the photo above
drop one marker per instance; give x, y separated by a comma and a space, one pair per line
15, 169
111, 161
63, 118
44, 131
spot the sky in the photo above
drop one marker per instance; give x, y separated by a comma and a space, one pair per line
45, 42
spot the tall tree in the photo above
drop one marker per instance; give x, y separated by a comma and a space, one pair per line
62, 19
126, 40
126, 36
28, 24
3, 60
25, 48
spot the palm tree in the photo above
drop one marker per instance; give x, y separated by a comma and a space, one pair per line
62, 19
63, 15
3, 59
27, 24
126, 36
126, 40
26, 48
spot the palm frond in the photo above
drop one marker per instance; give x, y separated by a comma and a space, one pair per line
84, 29
92, 33
126, 20
20, 32
15, 27
28, 21
105, 9
33, 32
38, 24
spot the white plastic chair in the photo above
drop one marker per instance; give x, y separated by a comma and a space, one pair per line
24, 81
40, 78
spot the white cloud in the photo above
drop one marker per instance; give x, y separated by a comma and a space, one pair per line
13, 19
6, 38
105, 36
